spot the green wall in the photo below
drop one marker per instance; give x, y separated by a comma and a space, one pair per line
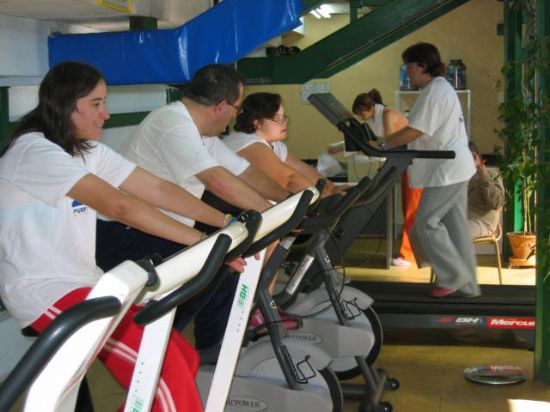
468, 32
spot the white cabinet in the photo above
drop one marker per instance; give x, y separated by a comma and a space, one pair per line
405, 99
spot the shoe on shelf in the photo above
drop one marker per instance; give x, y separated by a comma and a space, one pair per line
441, 292
400, 262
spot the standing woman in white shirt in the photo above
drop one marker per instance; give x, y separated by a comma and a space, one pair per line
440, 235
54, 178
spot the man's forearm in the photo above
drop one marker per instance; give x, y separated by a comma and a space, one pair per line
401, 137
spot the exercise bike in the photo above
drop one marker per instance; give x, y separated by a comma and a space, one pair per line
56, 363
288, 376
331, 317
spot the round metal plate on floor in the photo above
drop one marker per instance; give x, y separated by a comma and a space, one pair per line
495, 374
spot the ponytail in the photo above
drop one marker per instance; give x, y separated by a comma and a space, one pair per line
375, 96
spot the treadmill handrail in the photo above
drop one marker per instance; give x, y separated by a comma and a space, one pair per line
338, 115
327, 217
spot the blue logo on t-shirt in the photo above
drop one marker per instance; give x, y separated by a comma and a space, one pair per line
78, 207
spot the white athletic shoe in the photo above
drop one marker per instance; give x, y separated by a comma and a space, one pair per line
400, 262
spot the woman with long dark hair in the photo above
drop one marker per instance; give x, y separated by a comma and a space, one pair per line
54, 178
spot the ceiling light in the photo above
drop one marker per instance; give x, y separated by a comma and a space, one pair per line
315, 13
323, 11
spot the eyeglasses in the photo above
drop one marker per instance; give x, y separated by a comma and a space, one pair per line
238, 109
280, 119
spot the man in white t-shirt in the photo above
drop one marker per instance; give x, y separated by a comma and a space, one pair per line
179, 142
440, 234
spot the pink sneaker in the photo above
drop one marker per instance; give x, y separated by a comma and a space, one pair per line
441, 292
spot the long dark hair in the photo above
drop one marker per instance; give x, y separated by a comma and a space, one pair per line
365, 101
257, 106
59, 91
427, 55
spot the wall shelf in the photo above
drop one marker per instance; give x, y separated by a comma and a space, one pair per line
462, 95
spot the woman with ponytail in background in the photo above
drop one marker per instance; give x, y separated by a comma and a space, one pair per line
383, 121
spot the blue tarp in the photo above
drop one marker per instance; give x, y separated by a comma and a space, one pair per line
223, 34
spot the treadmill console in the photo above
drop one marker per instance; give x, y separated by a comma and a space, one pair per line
336, 113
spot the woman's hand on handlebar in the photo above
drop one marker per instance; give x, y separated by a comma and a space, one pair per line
237, 264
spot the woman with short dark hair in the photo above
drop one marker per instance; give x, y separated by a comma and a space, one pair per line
260, 129
440, 234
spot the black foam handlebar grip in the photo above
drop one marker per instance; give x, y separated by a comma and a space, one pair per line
47, 343
291, 223
156, 309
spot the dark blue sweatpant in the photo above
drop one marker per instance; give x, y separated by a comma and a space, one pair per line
116, 243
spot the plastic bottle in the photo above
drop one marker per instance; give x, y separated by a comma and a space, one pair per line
456, 74
404, 80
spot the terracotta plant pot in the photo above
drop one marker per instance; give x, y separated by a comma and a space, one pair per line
523, 245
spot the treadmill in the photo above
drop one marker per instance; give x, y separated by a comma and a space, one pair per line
408, 305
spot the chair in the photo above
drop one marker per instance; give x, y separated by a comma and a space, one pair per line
484, 240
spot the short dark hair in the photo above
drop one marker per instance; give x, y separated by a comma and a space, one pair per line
213, 84
425, 54
59, 91
365, 101
257, 106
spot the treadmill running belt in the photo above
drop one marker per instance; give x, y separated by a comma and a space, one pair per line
413, 298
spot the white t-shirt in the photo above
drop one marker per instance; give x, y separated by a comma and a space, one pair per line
169, 145
438, 115
376, 123
237, 141
47, 240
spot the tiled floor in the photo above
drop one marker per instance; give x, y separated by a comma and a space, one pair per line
432, 379
429, 365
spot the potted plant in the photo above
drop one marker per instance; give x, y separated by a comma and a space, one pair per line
522, 115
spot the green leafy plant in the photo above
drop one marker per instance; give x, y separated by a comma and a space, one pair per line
522, 115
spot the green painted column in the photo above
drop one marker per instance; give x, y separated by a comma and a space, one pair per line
125, 119
173, 94
4, 116
512, 218
542, 334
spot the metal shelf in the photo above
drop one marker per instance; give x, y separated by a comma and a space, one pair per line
468, 109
